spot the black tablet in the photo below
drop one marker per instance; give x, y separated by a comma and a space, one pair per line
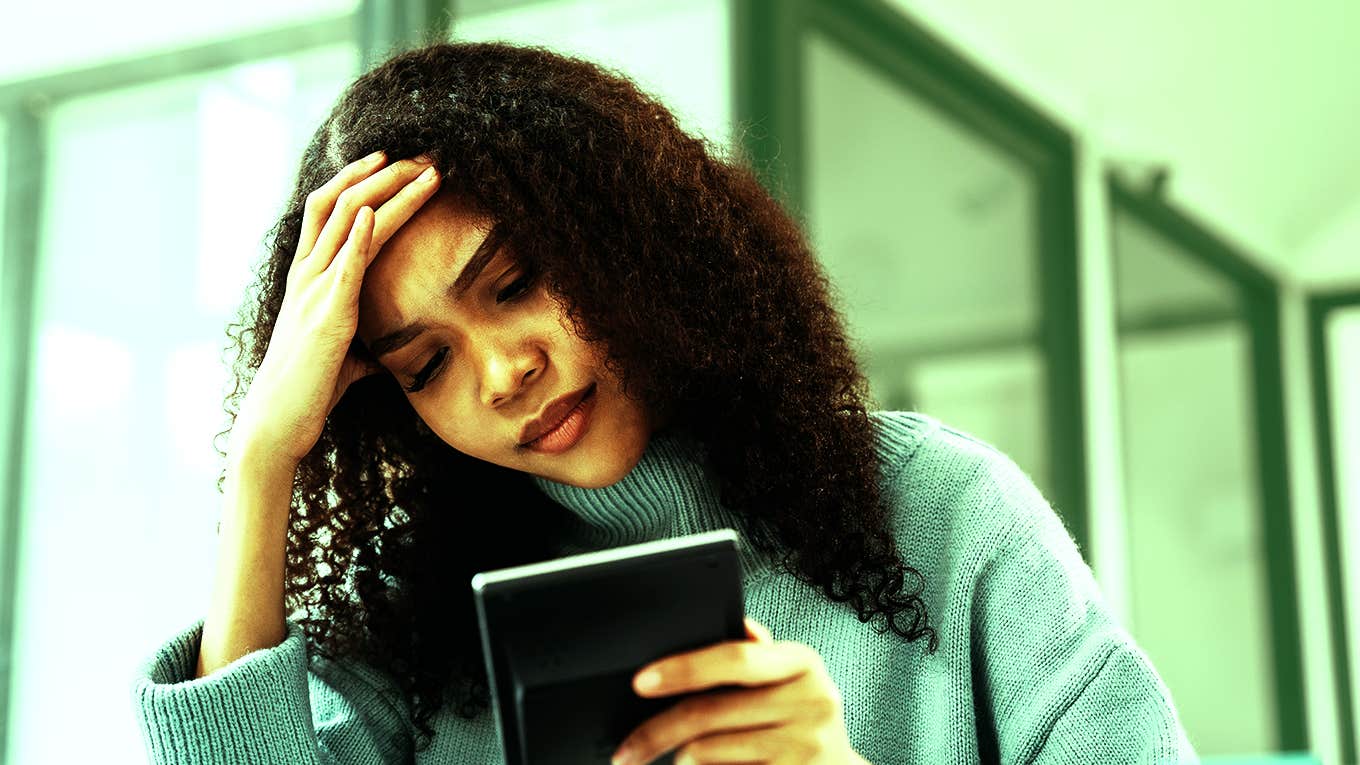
563, 638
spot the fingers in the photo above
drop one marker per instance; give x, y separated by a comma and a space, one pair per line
349, 263
726, 663
757, 631
371, 191
396, 211
760, 712
321, 201
762, 745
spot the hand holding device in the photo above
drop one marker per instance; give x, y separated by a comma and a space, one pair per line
787, 708
564, 638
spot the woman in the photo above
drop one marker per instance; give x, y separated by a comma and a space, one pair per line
513, 311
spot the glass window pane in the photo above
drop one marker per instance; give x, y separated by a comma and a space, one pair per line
677, 50
1343, 361
997, 393
1196, 557
110, 31
928, 234
157, 200
1155, 286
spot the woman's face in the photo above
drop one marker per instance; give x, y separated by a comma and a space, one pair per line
493, 357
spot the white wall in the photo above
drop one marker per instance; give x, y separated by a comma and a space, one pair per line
1333, 256
1246, 103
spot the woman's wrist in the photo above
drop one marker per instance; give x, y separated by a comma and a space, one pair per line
252, 453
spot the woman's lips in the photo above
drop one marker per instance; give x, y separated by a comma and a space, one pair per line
568, 432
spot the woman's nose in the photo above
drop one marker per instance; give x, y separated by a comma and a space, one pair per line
504, 374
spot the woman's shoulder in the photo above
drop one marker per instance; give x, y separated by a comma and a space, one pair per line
897, 436
947, 483
919, 445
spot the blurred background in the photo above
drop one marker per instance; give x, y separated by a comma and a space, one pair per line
1119, 241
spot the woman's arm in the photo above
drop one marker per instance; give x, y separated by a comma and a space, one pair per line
238, 686
268, 706
1064, 681
246, 609
1054, 678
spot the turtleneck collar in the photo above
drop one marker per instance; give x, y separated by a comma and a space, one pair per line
671, 492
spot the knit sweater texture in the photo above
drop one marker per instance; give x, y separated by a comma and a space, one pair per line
1031, 666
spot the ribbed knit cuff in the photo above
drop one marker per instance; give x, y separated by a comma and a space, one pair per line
254, 710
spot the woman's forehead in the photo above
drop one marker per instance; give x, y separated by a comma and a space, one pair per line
442, 226
419, 262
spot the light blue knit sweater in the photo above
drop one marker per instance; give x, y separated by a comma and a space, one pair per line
1031, 666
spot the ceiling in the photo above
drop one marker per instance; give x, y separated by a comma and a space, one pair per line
1254, 107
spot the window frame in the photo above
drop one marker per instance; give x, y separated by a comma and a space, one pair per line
1260, 300
769, 97
1321, 305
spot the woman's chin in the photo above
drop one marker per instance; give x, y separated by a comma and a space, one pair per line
610, 462
603, 471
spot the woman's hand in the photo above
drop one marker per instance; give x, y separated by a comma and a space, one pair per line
790, 713
308, 365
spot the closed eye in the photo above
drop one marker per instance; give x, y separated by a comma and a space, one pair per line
516, 288
426, 374
512, 291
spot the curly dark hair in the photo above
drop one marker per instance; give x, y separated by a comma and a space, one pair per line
598, 189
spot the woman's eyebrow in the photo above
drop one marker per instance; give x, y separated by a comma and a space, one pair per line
486, 250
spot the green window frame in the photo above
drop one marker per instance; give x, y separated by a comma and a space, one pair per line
1320, 306
1261, 311
23, 175
769, 92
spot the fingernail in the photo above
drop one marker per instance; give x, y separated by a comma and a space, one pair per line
374, 157
427, 175
622, 757
424, 159
649, 680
